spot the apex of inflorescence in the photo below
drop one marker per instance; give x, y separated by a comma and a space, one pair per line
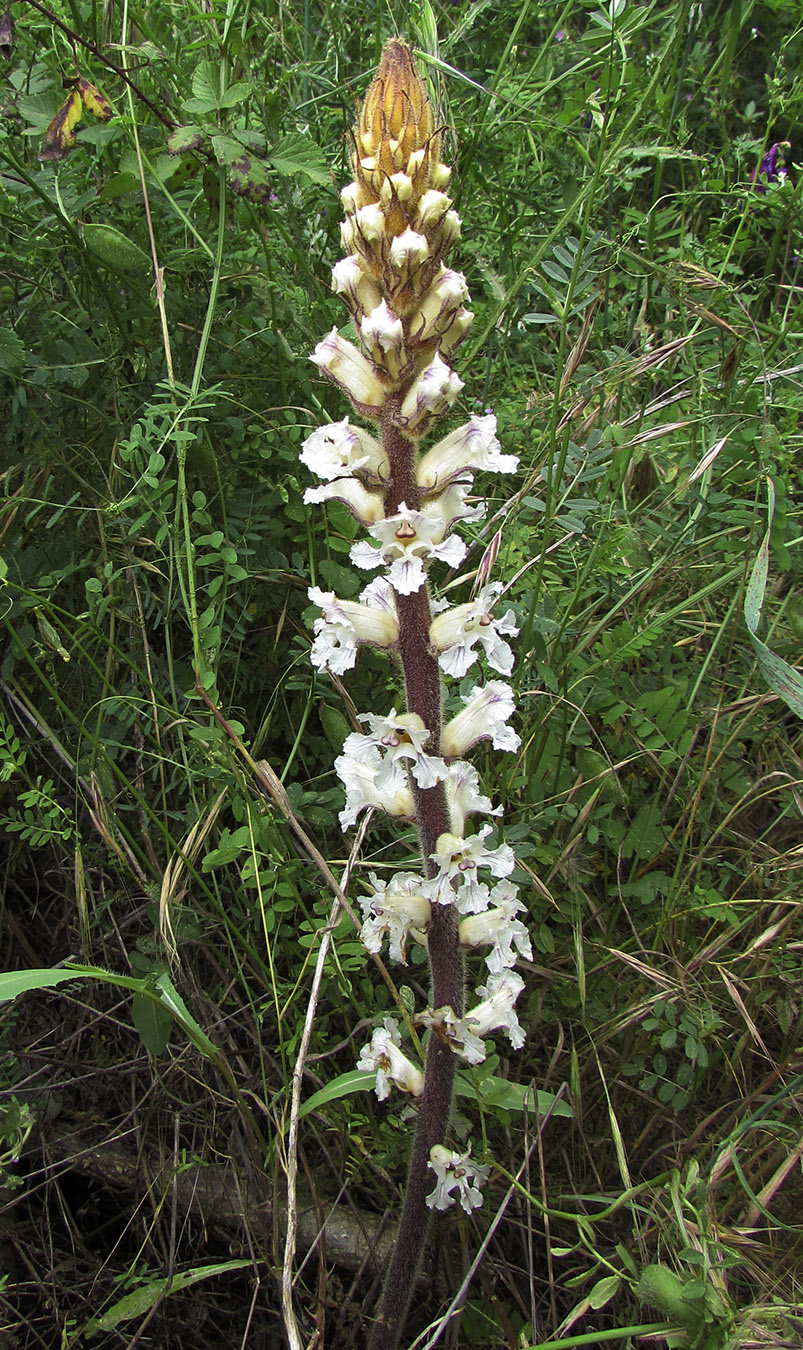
396, 138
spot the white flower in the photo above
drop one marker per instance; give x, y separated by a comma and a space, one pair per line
450, 229
352, 372
459, 859
455, 1171
358, 773
452, 336
406, 540
483, 718
397, 908
496, 1012
346, 623
454, 1032
398, 738
472, 446
383, 1056
500, 928
433, 393
340, 449
456, 633
463, 794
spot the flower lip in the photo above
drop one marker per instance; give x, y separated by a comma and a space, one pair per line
455, 634
341, 449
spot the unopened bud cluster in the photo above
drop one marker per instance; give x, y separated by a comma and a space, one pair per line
409, 310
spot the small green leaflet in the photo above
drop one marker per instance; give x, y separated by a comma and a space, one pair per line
162, 992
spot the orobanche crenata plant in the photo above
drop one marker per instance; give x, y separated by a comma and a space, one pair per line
409, 309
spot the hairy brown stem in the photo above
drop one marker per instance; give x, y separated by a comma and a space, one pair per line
423, 687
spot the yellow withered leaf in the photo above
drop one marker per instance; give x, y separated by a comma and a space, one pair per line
60, 135
96, 102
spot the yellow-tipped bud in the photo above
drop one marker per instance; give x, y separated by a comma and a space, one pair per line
396, 127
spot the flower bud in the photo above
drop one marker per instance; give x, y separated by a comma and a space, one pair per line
383, 340
396, 122
433, 393
431, 209
439, 306
350, 280
350, 370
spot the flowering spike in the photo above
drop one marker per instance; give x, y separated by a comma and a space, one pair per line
409, 310
396, 125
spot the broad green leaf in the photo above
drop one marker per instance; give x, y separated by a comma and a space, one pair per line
236, 93
153, 1022
16, 982
604, 1290
206, 81
297, 153
184, 140
141, 1300
493, 1091
114, 248
353, 1081
172, 999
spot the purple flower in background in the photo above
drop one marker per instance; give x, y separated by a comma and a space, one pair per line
769, 169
